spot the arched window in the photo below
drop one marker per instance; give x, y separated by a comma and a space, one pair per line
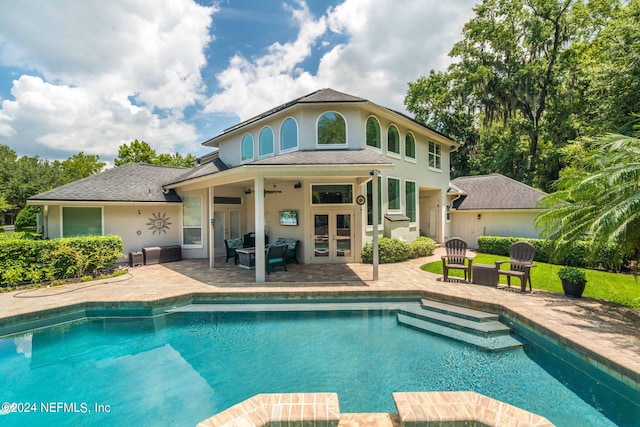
410, 146
265, 142
393, 140
289, 134
373, 132
247, 147
332, 129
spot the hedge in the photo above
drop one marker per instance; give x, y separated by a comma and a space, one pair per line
609, 259
33, 261
394, 250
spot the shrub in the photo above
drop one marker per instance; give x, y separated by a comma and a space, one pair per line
31, 261
609, 258
389, 250
27, 216
422, 246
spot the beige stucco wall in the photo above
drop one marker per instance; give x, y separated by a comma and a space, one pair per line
467, 226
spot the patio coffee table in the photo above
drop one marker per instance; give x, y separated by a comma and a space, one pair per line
484, 274
246, 258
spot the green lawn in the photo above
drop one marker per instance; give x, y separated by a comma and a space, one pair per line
621, 288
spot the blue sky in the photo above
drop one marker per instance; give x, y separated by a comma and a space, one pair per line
91, 75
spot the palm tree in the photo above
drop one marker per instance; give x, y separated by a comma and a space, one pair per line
598, 202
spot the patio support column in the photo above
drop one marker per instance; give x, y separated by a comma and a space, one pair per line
211, 226
259, 229
374, 196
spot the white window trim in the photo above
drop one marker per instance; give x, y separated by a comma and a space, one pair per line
404, 148
353, 194
273, 143
201, 227
391, 153
400, 197
379, 149
296, 147
433, 168
253, 156
81, 206
416, 199
333, 146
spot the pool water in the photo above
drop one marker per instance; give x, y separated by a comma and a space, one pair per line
181, 368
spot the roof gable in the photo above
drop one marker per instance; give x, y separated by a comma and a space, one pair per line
495, 191
132, 182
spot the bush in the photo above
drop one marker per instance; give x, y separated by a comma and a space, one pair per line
27, 216
389, 250
31, 261
609, 258
422, 246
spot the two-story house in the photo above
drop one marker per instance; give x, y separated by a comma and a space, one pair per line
303, 170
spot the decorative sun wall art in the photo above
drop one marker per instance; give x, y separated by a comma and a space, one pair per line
159, 223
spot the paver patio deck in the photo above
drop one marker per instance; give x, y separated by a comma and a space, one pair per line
605, 333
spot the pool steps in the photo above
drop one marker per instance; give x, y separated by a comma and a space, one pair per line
473, 327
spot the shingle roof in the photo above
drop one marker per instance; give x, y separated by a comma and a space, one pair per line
214, 166
132, 182
326, 157
495, 191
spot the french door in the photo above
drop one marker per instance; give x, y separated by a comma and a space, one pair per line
333, 236
226, 225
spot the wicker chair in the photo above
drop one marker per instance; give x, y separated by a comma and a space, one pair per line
521, 255
455, 258
231, 245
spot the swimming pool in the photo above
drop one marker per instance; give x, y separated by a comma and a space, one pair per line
183, 367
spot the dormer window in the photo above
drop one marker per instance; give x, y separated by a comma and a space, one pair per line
332, 130
247, 148
265, 142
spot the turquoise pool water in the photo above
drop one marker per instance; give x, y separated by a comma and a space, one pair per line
181, 368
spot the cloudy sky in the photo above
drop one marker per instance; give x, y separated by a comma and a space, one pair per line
91, 75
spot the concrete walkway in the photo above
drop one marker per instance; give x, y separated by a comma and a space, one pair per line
604, 333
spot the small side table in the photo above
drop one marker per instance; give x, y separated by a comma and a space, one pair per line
246, 258
484, 274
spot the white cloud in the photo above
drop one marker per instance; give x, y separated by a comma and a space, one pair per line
388, 45
104, 73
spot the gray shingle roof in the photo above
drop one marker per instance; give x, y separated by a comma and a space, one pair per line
214, 166
495, 191
132, 182
326, 157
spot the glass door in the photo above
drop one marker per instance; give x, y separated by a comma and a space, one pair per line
226, 225
333, 237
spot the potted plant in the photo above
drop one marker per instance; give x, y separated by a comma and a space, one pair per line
573, 281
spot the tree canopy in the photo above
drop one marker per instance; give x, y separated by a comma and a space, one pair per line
529, 77
141, 152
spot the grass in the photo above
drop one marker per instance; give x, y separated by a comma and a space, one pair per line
619, 288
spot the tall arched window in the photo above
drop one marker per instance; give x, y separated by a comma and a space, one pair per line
393, 140
247, 147
265, 142
332, 129
289, 134
410, 146
373, 132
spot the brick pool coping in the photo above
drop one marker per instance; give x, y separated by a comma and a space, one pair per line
415, 409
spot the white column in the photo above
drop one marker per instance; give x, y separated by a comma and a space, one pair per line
374, 196
259, 229
211, 226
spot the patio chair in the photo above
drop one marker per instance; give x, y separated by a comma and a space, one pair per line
231, 245
292, 245
456, 250
276, 256
520, 261
249, 240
